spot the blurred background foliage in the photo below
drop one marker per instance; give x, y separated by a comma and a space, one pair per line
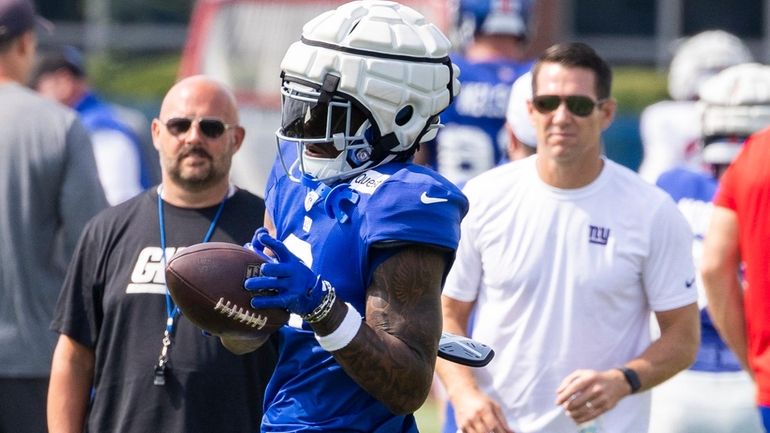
127, 77
636, 87
138, 77
141, 82
131, 78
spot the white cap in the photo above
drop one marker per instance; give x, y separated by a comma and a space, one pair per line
517, 115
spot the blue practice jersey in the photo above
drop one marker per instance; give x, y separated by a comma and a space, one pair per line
693, 192
473, 139
397, 203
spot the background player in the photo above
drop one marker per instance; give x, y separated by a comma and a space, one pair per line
732, 105
60, 74
671, 129
735, 259
375, 234
492, 36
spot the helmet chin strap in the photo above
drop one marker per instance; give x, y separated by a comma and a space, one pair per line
330, 170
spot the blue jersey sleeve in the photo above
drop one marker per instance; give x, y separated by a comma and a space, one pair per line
415, 207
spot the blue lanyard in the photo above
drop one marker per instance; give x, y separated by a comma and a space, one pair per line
172, 311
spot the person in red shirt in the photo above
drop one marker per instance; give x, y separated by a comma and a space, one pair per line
738, 240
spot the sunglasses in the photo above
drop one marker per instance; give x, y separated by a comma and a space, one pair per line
578, 105
211, 128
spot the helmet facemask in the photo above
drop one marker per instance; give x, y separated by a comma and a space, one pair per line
322, 122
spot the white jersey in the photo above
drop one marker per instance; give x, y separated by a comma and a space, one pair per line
670, 132
566, 279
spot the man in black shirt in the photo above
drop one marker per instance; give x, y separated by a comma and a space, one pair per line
126, 359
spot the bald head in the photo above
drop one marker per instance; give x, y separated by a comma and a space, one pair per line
196, 135
202, 92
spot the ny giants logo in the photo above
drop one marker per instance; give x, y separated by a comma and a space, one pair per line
149, 275
598, 235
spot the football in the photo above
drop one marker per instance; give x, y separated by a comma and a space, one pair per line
206, 283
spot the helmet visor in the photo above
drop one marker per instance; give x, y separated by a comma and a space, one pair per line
304, 117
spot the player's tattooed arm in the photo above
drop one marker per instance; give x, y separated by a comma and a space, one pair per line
394, 355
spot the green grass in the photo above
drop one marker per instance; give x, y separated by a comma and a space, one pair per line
429, 416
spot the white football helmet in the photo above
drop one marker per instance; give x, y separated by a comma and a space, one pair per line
733, 105
700, 57
369, 77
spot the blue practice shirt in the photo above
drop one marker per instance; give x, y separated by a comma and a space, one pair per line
694, 191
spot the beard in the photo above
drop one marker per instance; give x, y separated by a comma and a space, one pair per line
201, 176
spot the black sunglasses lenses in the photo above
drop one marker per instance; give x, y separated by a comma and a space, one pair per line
578, 105
178, 125
546, 103
211, 128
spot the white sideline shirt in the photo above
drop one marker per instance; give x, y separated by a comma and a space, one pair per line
564, 280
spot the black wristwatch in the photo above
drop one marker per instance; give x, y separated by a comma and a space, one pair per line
632, 378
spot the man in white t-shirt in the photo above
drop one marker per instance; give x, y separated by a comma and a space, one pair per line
563, 256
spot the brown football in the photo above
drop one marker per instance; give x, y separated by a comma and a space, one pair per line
206, 282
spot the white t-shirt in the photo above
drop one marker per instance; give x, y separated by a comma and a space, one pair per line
670, 132
566, 279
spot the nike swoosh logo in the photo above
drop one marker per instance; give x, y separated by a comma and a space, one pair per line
430, 200
689, 283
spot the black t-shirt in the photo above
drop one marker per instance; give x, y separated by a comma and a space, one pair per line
113, 300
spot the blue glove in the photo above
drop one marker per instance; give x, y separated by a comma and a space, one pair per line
257, 247
286, 283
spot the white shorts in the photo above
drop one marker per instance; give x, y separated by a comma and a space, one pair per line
705, 402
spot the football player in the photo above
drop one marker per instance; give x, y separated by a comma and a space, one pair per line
671, 129
732, 105
362, 238
492, 37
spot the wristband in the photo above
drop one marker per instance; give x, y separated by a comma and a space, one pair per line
325, 307
632, 378
343, 335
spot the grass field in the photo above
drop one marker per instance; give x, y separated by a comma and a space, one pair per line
429, 417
